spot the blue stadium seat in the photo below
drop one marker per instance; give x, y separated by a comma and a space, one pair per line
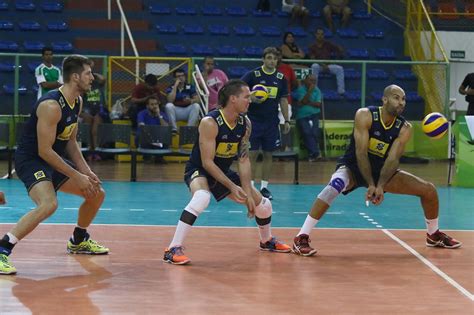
211, 10
361, 15
384, 53
52, 6
375, 33
6, 25
377, 74
9, 89
315, 14
62, 46
29, 26
193, 29
202, 50
352, 74
376, 96
228, 51
6, 66
404, 75
358, 53
159, 9
25, 5
236, 11
58, 26
8, 45
347, 33
244, 30
331, 95
166, 28
218, 29
259, 13
270, 31
237, 71
175, 49
33, 65
3, 5
184, 10
297, 31
283, 14
33, 45
412, 96
253, 51
352, 95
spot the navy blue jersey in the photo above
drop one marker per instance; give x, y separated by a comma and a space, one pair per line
277, 87
381, 138
227, 141
69, 113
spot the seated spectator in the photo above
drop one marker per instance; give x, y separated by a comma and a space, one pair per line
94, 111
289, 49
215, 79
140, 94
323, 49
183, 101
339, 7
151, 115
308, 97
297, 10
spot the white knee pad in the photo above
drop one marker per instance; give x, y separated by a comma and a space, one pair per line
264, 209
199, 202
338, 183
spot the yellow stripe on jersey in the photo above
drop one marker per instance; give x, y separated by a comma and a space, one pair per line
377, 147
227, 149
66, 134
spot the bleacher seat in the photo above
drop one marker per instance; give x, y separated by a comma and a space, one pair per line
166, 28
6, 26
361, 15
9, 89
347, 33
377, 74
33, 65
270, 31
193, 29
352, 95
159, 9
244, 30
376, 95
412, 96
51, 6
8, 45
283, 14
218, 29
6, 66
375, 33
227, 51
404, 75
297, 31
25, 5
184, 10
331, 95
357, 53
469, 8
62, 46
202, 50
3, 5
33, 45
175, 49
236, 11
57, 26
29, 26
253, 51
211, 10
449, 10
315, 14
237, 71
259, 13
384, 53
352, 74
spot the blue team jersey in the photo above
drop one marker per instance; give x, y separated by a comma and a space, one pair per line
69, 114
227, 141
381, 138
277, 87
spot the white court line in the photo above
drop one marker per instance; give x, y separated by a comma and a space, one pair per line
234, 211
71, 208
105, 209
169, 210
429, 264
5, 207
136, 209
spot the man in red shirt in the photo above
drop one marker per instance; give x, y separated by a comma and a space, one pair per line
290, 76
140, 94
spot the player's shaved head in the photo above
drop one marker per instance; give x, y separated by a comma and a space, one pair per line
392, 88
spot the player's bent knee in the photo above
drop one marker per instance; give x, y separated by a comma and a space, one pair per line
332, 190
47, 208
264, 209
199, 202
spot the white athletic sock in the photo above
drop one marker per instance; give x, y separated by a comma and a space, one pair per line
12, 238
265, 233
264, 184
431, 225
308, 225
182, 230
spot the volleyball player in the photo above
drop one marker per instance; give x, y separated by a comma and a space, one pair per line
371, 160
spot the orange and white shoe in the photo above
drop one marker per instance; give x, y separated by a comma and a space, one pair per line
175, 256
274, 245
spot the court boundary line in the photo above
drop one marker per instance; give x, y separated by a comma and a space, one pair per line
428, 263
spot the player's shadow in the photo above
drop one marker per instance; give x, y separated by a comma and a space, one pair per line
65, 294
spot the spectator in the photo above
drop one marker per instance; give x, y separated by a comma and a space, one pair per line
339, 7
308, 97
323, 49
297, 10
94, 111
215, 79
48, 76
183, 101
467, 88
292, 82
140, 94
151, 115
289, 49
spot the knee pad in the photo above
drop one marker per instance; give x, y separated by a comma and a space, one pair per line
337, 184
199, 202
264, 209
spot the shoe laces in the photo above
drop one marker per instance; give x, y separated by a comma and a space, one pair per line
4, 258
177, 250
303, 240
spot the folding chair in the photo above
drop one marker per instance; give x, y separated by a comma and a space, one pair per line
187, 137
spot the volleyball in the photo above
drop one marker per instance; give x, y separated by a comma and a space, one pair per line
260, 92
434, 125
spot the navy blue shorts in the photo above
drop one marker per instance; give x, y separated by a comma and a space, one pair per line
218, 190
32, 170
265, 136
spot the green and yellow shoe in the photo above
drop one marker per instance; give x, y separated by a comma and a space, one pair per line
6, 268
89, 247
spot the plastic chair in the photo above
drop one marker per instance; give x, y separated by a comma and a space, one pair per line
237, 71
52, 6
270, 31
3, 5
211, 10
175, 49
202, 50
33, 45
187, 137
347, 33
236, 11
59, 26
217, 29
244, 30
29, 26
228, 51
193, 29
375, 33
253, 51
62, 46
6, 66
6, 26
25, 5
166, 28
9, 89
159, 9
8, 45
384, 53
185, 10
259, 14
377, 74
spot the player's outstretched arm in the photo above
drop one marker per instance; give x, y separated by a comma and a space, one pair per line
362, 124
